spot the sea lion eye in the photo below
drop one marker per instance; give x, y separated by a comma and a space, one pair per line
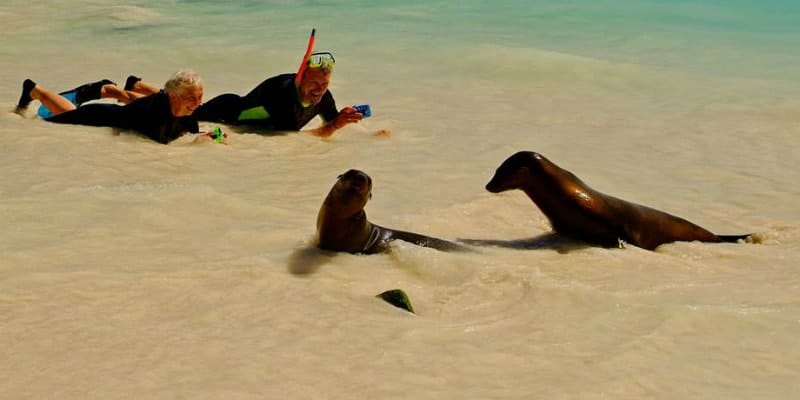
340, 176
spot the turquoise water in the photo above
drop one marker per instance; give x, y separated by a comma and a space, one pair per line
750, 38
747, 39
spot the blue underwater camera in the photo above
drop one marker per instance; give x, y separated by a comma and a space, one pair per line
364, 110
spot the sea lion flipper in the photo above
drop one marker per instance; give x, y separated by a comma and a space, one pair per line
734, 238
422, 240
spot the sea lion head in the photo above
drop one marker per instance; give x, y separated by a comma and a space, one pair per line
342, 223
516, 171
352, 190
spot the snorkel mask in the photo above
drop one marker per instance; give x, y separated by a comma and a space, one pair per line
322, 60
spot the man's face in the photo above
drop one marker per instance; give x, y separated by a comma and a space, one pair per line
186, 101
314, 85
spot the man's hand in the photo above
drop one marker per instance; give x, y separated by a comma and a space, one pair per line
347, 115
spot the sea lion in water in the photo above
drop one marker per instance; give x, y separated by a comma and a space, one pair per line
342, 224
580, 212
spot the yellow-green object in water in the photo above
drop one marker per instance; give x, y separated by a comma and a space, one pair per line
217, 135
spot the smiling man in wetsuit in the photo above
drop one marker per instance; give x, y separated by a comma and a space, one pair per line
281, 103
162, 117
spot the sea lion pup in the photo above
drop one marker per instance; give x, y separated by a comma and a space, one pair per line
342, 224
580, 212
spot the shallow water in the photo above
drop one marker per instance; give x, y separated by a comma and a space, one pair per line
134, 270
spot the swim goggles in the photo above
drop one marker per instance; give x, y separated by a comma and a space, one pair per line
321, 60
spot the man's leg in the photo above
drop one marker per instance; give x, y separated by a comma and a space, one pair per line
54, 102
135, 84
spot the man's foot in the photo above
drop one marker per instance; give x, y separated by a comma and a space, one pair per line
130, 83
25, 98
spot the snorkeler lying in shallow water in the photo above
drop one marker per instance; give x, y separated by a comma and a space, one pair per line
285, 102
163, 115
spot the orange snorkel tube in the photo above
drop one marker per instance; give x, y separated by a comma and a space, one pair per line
304, 63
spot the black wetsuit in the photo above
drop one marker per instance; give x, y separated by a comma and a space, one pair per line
273, 104
150, 116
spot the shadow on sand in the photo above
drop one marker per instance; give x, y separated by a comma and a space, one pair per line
307, 260
550, 241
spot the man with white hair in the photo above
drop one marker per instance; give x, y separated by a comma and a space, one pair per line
162, 117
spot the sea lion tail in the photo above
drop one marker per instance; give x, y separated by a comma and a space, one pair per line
734, 238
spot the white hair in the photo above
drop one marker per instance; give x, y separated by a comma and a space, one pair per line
183, 79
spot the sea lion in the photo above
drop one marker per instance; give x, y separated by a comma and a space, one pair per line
580, 212
342, 224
